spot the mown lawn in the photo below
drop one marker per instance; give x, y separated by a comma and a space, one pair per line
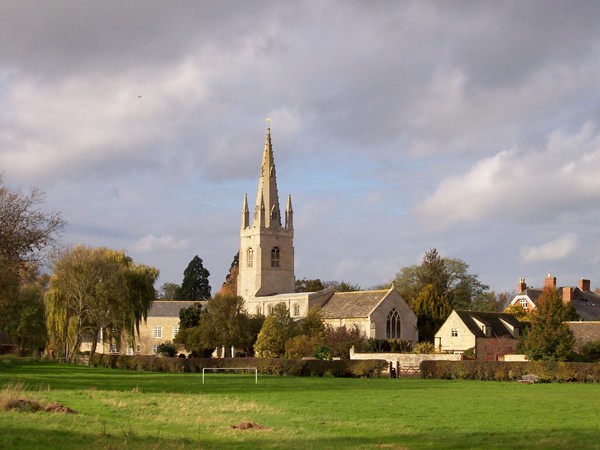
119, 409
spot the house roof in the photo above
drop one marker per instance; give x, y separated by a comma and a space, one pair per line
346, 305
170, 308
585, 331
491, 319
586, 303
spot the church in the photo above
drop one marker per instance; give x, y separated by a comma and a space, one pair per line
266, 271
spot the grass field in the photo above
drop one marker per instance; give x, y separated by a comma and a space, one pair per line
117, 409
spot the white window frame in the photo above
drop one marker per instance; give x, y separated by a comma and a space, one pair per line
175, 331
454, 332
157, 332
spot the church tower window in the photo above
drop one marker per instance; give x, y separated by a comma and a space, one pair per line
275, 257
250, 258
392, 330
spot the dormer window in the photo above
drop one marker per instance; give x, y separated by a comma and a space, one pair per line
524, 304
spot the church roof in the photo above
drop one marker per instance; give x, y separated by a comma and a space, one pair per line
170, 308
347, 305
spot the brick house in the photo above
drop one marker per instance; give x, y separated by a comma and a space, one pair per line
584, 300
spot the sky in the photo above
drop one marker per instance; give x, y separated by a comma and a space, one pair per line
472, 127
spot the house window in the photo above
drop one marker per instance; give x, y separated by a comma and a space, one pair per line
524, 303
275, 257
112, 348
157, 332
296, 309
270, 309
393, 324
154, 349
258, 310
250, 257
454, 332
139, 348
175, 330
129, 350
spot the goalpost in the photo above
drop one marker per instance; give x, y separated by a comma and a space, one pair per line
232, 368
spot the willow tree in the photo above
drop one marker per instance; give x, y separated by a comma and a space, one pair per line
93, 291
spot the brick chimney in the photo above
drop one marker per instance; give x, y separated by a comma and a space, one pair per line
550, 282
584, 284
521, 286
567, 295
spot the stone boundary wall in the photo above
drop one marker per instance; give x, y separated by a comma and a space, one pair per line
515, 358
406, 359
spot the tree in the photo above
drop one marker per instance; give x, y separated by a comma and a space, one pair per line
312, 331
340, 340
93, 291
549, 338
229, 287
342, 286
448, 277
224, 322
307, 285
431, 310
26, 236
195, 284
169, 291
277, 329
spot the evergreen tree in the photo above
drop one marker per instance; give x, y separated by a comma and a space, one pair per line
549, 338
195, 285
229, 287
431, 310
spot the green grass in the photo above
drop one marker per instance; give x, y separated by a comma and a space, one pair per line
118, 409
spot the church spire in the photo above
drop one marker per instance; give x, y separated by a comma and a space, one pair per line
289, 214
267, 196
245, 213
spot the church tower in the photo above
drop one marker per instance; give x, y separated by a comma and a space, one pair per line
266, 263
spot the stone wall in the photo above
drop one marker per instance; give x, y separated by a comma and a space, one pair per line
406, 359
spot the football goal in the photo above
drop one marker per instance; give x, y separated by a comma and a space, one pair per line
249, 369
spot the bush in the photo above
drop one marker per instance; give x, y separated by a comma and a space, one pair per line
266, 366
424, 347
547, 371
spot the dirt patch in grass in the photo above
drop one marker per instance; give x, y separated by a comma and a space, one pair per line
247, 425
24, 405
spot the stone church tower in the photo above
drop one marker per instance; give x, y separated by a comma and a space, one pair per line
266, 263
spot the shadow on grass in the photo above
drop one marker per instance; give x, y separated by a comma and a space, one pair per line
31, 438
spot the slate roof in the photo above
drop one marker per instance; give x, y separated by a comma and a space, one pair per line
170, 308
586, 303
347, 305
491, 319
585, 331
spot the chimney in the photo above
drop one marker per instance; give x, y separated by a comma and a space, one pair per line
550, 282
584, 284
521, 286
567, 295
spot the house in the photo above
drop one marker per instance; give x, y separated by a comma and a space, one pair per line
491, 335
162, 325
266, 270
584, 300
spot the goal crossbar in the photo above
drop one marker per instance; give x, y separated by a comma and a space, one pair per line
232, 368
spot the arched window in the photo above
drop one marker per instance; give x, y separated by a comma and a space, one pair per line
275, 257
250, 257
270, 309
258, 311
392, 329
296, 309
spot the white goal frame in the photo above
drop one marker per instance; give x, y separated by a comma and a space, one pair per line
232, 368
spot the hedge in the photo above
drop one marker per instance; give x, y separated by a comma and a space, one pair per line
268, 366
547, 371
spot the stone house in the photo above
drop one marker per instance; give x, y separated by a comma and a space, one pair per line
161, 326
266, 271
491, 335
584, 300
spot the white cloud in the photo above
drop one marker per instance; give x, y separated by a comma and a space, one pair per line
521, 185
167, 242
560, 248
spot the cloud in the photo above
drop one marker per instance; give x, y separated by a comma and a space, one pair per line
560, 248
151, 243
521, 184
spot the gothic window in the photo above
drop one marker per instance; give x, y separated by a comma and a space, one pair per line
270, 309
392, 330
250, 257
275, 257
296, 309
258, 311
